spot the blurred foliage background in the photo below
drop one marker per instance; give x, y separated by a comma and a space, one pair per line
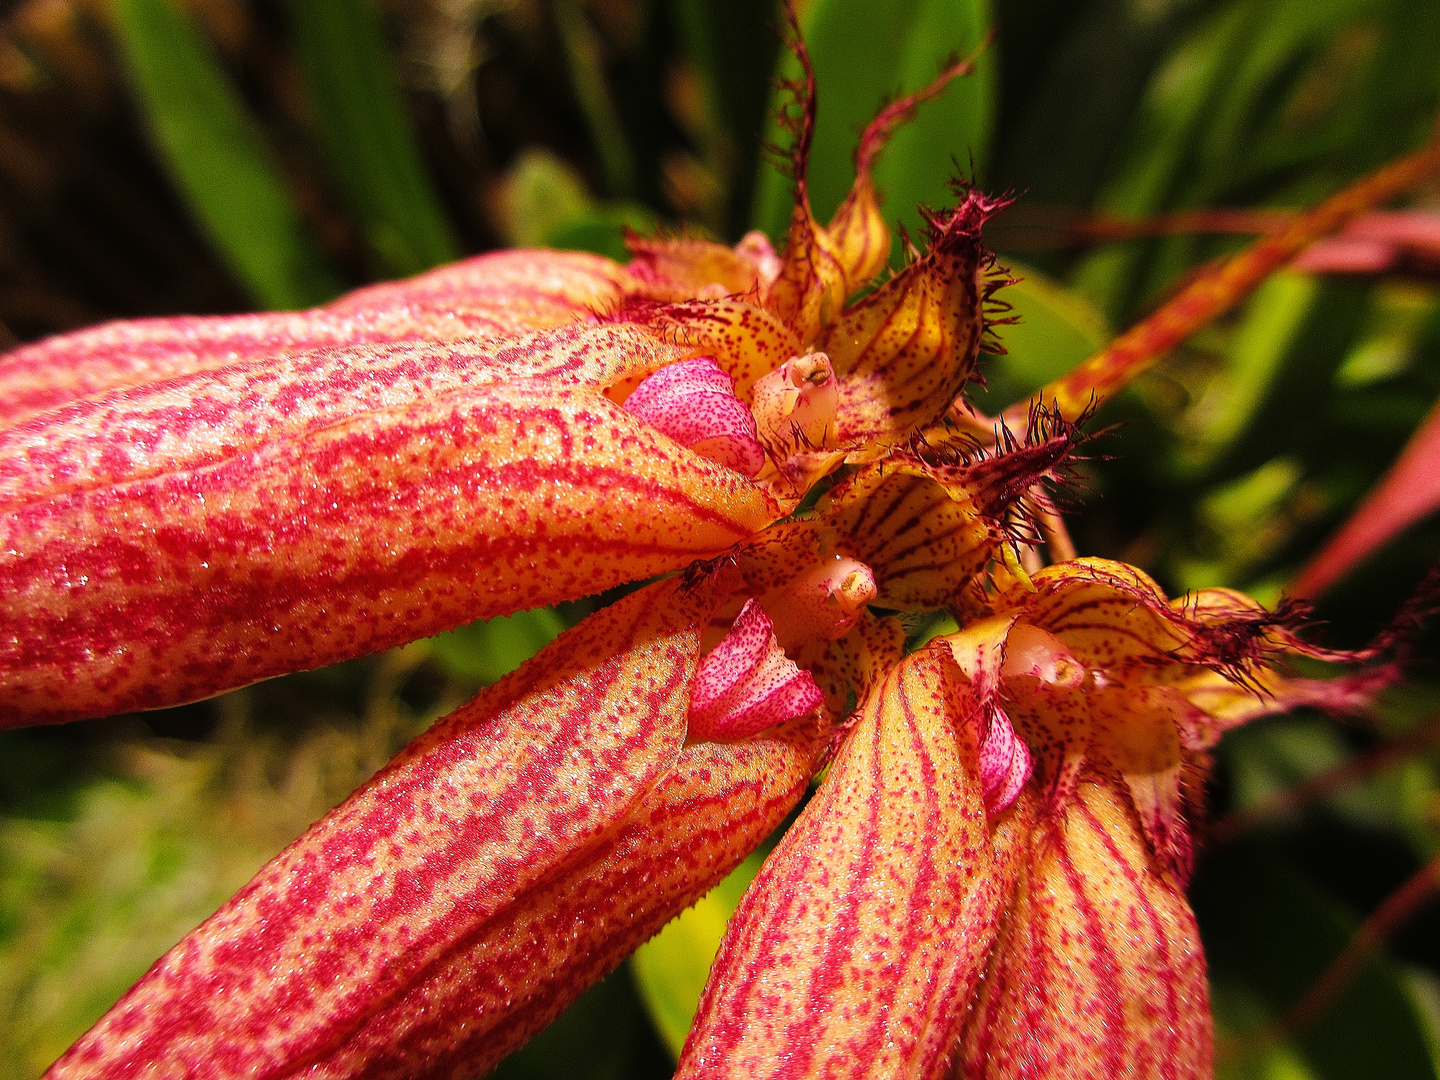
161, 156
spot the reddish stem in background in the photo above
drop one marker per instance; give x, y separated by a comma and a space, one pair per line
1381, 925
1325, 783
1214, 292
1040, 228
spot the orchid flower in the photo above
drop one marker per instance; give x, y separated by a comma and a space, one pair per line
989, 879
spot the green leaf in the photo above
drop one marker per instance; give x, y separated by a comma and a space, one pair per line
865, 54
583, 56
672, 967
484, 651
217, 157
603, 230
366, 131
1272, 322
733, 46
1274, 932
1055, 329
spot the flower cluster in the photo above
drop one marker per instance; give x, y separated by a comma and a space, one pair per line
987, 882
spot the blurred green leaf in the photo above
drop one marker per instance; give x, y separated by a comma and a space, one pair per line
583, 55
218, 158
603, 230
544, 203
1273, 932
1264, 102
733, 45
1055, 329
485, 651
1272, 319
672, 967
865, 54
366, 131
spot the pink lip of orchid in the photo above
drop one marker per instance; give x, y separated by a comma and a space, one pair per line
989, 879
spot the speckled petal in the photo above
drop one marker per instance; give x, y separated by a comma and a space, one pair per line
1097, 971
495, 295
694, 402
857, 946
903, 353
715, 805
493, 822
746, 683
142, 572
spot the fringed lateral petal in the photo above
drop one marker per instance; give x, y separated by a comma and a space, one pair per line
474, 827
903, 353
131, 588
694, 402
857, 946
1097, 970
746, 683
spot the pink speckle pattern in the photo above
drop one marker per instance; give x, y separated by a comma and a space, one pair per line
746, 683
694, 402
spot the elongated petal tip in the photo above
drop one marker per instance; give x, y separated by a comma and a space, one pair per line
694, 402
747, 683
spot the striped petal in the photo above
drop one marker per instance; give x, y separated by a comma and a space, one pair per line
495, 295
904, 352
399, 936
857, 946
1097, 970
165, 543
923, 538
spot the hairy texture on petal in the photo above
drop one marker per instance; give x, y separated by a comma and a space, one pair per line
479, 814
904, 352
1108, 614
1097, 971
857, 946
686, 269
701, 819
747, 341
500, 294
1140, 732
133, 592
694, 402
746, 683
923, 539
